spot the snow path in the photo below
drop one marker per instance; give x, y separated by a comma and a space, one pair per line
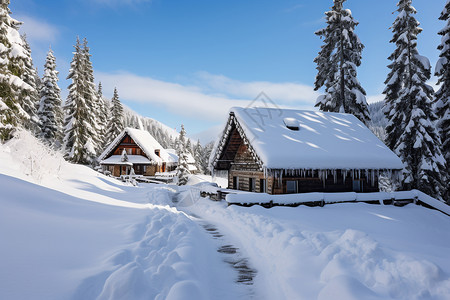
187, 196
345, 251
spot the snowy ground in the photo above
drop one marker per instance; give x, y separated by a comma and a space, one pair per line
68, 232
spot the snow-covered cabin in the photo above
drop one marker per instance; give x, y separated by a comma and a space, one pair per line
281, 151
136, 149
190, 160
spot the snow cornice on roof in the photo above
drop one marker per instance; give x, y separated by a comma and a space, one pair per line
145, 141
324, 141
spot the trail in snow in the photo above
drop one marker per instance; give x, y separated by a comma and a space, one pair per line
232, 255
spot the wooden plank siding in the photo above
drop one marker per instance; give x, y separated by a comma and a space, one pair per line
304, 185
128, 143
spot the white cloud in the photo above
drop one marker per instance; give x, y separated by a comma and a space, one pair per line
38, 31
210, 97
284, 92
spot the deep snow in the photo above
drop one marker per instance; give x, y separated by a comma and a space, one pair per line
68, 232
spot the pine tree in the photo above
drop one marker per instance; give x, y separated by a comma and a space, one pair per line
92, 101
336, 65
115, 124
30, 99
78, 129
182, 168
103, 116
442, 97
50, 111
206, 153
411, 132
197, 153
13, 89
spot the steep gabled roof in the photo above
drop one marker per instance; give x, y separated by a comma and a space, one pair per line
145, 141
298, 139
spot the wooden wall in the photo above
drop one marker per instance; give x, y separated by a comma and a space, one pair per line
304, 184
128, 143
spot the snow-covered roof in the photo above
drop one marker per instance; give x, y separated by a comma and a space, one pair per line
173, 153
324, 140
132, 159
145, 141
190, 159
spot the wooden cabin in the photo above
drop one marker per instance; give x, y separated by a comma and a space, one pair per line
136, 149
283, 151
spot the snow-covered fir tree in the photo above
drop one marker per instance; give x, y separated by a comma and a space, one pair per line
13, 89
50, 108
103, 115
337, 61
182, 152
411, 132
442, 97
79, 132
92, 101
206, 153
30, 99
197, 154
115, 124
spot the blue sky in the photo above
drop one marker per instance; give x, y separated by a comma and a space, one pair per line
189, 61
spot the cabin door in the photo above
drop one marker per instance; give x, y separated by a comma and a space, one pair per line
116, 172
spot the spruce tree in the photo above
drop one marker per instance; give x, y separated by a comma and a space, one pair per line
198, 156
206, 153
30, 99
116, 123
103, 116
91, 98
411, 132
442, 97
13, 89
78, 129
50, 110
183, 167
336, 65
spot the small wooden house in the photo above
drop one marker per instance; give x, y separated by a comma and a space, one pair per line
136, 149
190, 160
282, 151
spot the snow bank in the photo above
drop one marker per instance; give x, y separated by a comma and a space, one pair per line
263, 198
343, 251
82, 235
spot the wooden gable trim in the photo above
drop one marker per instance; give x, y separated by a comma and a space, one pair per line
226, 135
114, 144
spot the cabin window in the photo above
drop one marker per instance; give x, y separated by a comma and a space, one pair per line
357, 185
137, 169
157, 152
291, 186
235, 182
251, 184
129, 151
145, 169
138, 151
262, 185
